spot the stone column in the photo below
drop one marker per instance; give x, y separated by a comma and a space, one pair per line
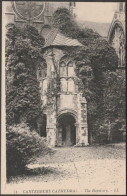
82, 120
51, 123
77, 132
84, 128
51, 136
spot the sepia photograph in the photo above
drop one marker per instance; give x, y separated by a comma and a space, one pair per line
63, 98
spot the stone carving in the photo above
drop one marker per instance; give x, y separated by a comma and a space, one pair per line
28, 10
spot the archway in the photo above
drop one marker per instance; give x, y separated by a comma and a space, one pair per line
66, 130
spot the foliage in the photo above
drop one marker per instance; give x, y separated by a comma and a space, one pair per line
23, 55
104, 90
23, 148
63, 20
114, 85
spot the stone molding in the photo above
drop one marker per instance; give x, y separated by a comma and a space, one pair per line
67, 111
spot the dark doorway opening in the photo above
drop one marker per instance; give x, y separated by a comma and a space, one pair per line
43, 126
66, 130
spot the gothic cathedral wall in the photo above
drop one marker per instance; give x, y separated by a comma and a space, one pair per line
69, 100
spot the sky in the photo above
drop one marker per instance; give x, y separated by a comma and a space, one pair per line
96, 11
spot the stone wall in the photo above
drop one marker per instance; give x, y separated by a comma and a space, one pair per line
66, 103
44, 19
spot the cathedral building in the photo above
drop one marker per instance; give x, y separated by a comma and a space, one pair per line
116, 34
38, 14
65, 113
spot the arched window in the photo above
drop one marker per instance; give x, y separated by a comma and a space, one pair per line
70, 69
44, 72
63, 69
67, 74
117, 40
121, 48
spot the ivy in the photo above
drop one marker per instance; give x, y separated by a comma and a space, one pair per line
23, 54
100, 57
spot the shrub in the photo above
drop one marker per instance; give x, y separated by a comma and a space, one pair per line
23, 147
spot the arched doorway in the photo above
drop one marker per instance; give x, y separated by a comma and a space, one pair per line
66, 130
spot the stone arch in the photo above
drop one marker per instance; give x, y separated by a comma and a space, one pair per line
68, 111
66, 128
66, 59
112, 29
117, 40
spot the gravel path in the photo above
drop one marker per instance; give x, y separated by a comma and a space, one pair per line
88, 170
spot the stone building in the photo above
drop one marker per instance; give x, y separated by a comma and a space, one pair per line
36, 13
65, 109
116, 34
117, 38
65, 112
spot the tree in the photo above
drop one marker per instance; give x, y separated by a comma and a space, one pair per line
114, 103
100, 88
63, 19
23, 55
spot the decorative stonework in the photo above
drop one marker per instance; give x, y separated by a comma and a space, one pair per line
116, 34
28, 10
65, 105
37, 13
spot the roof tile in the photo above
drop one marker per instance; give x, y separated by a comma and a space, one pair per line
55, 38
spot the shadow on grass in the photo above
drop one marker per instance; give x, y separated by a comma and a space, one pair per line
33, 174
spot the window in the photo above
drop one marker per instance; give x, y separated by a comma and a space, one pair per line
63, 69
67, 85
63, 85
117, 40
121, 47
44, 73
67, 75
70, 69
